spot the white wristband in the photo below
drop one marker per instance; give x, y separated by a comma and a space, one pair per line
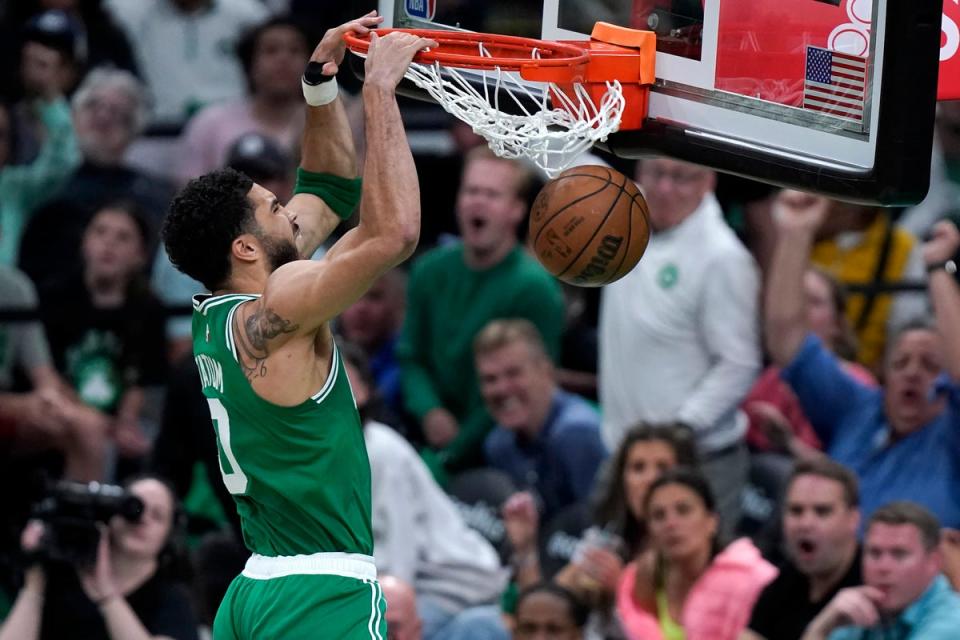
318, 95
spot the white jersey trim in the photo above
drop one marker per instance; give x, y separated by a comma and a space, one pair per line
319, 396
347, 565
205, 305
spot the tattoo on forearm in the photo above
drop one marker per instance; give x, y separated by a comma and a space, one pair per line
253, 341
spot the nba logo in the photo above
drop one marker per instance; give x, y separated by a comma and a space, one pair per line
423, 9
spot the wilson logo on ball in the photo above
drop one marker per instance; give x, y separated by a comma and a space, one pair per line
598, 264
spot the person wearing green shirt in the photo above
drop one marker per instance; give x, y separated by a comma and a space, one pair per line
453, 292
24, 187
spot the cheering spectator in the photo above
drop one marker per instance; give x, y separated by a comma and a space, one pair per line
820, 522
902, 440
454, 291
546, 439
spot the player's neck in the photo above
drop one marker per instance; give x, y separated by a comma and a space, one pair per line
244, 280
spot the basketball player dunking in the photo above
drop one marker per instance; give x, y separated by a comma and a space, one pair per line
289, 438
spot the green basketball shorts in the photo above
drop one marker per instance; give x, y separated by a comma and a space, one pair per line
319, 596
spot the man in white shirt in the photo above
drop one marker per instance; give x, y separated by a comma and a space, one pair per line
679, 335
186, 50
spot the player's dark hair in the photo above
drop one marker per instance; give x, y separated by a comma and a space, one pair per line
203, 220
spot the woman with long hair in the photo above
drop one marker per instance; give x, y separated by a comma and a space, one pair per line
688, 586
620, 534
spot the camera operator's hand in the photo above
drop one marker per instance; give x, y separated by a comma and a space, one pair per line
32, 536
99, 583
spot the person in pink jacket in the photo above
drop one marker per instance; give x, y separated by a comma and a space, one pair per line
686, 587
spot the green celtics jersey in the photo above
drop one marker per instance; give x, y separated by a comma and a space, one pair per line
300, 475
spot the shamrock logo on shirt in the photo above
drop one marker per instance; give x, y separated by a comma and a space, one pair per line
668, 275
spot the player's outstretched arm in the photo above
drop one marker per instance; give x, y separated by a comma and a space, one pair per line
308, 294
327, 145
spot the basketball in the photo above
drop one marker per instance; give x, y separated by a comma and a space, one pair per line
589, 226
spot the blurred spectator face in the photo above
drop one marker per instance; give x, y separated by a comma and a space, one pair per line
146, 538
819, 526
375, 318
517, 385
673, 189
403, 621
5, 135
915, 361
545, 616
681, 526
489, 207
104, 123
646, 460
43, 68
113, 247
896, 562
279, 58
822, 316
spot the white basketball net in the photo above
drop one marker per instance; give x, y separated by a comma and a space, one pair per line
551, 137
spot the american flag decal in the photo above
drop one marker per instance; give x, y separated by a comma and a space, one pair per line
835, 83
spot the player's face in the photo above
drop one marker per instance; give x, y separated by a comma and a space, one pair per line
146, 538
818, 525
277, 228
488, 207
645, 461
912, 367
680, 524
822, 318
673, 190
278, 60
517, 386
545, 616
896, 562
113, 248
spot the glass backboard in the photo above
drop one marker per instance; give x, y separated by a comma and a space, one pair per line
836, 96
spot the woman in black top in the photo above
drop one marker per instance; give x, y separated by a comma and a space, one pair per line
124, 596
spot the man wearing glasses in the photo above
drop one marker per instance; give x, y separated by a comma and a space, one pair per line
679, 334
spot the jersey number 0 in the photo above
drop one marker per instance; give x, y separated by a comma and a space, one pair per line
233, 478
